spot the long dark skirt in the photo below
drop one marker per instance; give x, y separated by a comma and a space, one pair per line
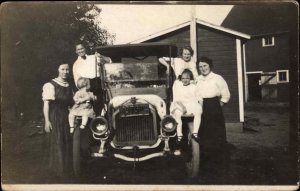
212, 130
58, 140
214, 157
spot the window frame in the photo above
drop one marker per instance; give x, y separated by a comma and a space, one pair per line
287, 76
272, 41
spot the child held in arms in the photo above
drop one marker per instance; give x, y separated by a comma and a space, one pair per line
83, 104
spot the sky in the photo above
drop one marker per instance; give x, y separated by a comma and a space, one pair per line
132, 22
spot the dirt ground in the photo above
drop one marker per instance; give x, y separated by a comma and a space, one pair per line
260, 156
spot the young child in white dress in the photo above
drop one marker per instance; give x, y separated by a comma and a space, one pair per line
83, 106
186, 101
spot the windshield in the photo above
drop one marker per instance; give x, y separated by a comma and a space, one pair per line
135, 75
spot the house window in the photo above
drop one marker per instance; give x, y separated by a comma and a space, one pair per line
268, 41
282, 76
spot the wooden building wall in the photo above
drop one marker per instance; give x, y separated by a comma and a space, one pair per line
270, 58
221, 48
180, 37
283, 92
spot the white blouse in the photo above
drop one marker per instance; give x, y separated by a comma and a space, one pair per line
178, 65
213, 85
85, 68
49, 90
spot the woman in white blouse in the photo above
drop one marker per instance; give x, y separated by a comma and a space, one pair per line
215, 93
182, 62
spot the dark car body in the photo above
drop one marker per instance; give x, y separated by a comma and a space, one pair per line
136, 124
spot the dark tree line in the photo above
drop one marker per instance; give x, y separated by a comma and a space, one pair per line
35, 37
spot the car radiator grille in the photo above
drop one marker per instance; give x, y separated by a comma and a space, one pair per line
135, 130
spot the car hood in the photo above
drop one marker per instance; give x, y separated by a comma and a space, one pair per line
154, 100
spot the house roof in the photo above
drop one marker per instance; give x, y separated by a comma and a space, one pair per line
224, 29
151, 36
187, 23
261, 19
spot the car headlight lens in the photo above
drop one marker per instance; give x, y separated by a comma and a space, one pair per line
99, 126
168, 124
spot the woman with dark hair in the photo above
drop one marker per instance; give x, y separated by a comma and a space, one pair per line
215, 93
182, 62
57, 96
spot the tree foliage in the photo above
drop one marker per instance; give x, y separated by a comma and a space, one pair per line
35, 37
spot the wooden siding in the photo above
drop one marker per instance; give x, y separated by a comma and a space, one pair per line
270, 58
180, 37
221, 48
283, 92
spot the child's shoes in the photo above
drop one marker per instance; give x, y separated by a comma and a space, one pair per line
71, 129
179, 141
195, 137
82, 126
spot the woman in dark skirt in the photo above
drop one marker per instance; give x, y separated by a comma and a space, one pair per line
214, 90
57, 97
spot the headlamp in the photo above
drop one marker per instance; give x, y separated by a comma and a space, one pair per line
168, 124
99, 127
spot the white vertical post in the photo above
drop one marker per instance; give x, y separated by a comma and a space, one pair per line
245, 74
240, 79
193, 32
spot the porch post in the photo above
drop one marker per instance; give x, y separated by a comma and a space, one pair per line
240, 78
245, 74
193, 32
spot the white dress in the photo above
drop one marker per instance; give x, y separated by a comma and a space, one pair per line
188, 96
84, 108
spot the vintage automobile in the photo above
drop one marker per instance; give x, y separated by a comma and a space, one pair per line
136, 124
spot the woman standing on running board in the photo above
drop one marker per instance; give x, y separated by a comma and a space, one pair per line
180, 63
